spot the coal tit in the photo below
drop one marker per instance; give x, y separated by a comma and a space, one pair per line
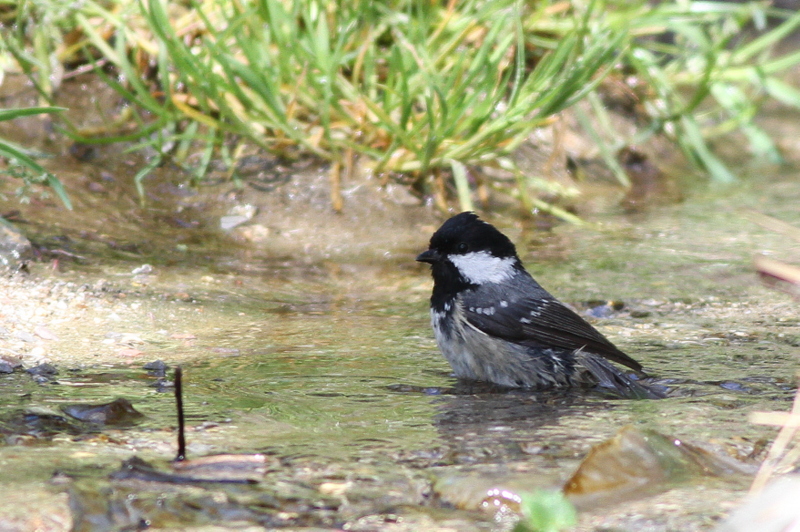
493, 322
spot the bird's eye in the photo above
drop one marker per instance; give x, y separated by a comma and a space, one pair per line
462, 247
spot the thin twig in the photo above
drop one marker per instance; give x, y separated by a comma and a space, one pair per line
773, 224
336, 186
789, 425
181, 423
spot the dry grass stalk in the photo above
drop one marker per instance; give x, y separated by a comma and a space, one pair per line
780, 456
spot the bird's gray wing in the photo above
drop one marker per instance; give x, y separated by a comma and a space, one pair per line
529, 315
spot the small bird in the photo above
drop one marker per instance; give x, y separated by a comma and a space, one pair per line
493, 322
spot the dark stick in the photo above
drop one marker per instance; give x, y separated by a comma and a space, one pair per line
179, 401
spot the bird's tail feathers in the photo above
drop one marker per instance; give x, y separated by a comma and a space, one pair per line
610, 378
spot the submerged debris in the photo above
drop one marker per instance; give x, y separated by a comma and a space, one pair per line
779, 275
34, 425
636, 463
42, 424
8, 363
227, 469
157, 368
43, 370
649, 185
15, 249
220, 468
118, 412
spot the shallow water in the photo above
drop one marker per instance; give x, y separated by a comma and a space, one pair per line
330, 367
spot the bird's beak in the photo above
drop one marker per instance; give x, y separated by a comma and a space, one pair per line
431, 256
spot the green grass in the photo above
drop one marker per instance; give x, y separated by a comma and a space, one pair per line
709, 80
429, 91
22, 163
411, 88
546, 511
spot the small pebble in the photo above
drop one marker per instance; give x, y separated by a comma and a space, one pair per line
144, 269
157, 368
9, 363
43, 369
43, 332
25, 336
37, 352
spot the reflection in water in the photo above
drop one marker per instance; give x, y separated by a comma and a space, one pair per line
497, 427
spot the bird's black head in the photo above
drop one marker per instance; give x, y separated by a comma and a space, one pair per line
466, 233
467, 251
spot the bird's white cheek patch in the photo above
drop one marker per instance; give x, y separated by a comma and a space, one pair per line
481, 267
